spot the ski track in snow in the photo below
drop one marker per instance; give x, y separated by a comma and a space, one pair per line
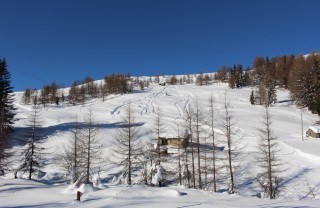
145, 105
148, 104
181, 97
151, 106
19, 106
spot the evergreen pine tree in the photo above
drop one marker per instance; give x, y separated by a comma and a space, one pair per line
7, 111
252, 98
32, 159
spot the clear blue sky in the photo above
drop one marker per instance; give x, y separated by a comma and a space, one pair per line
64, 40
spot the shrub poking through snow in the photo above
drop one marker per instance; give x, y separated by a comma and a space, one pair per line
159, 176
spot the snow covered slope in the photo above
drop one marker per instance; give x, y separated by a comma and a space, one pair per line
302, 157
22, 193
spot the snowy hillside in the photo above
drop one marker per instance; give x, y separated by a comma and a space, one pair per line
302, 158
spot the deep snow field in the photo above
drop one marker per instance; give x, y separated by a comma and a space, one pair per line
302, 158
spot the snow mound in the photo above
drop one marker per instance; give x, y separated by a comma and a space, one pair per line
171, 193
71, 189
136, 192
84, 188
102, 186
87, 188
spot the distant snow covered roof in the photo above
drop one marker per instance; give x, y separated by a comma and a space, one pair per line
169, 136
315, 129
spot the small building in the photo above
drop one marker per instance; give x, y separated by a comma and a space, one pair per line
181, 142
313, 131
162, 83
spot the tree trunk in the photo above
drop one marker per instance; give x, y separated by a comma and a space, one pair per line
198, 150
75, 159
129, 156
187, 166
192, 159
269, 156
214, 163
231, 191
32, 149
88, 162
129, 163
179, 158
79, 194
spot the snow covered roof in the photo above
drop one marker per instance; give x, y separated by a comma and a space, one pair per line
315, 129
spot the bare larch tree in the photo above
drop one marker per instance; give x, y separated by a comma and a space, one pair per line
211, 123
69, 156
188, 122
127, 147
198, 118
158, 130
233, 150
268, 160
90, 147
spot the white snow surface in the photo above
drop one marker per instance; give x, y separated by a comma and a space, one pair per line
301, 155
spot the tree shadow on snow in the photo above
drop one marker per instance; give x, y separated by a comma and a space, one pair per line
40, 205
20, 132
206, 146
299, 174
